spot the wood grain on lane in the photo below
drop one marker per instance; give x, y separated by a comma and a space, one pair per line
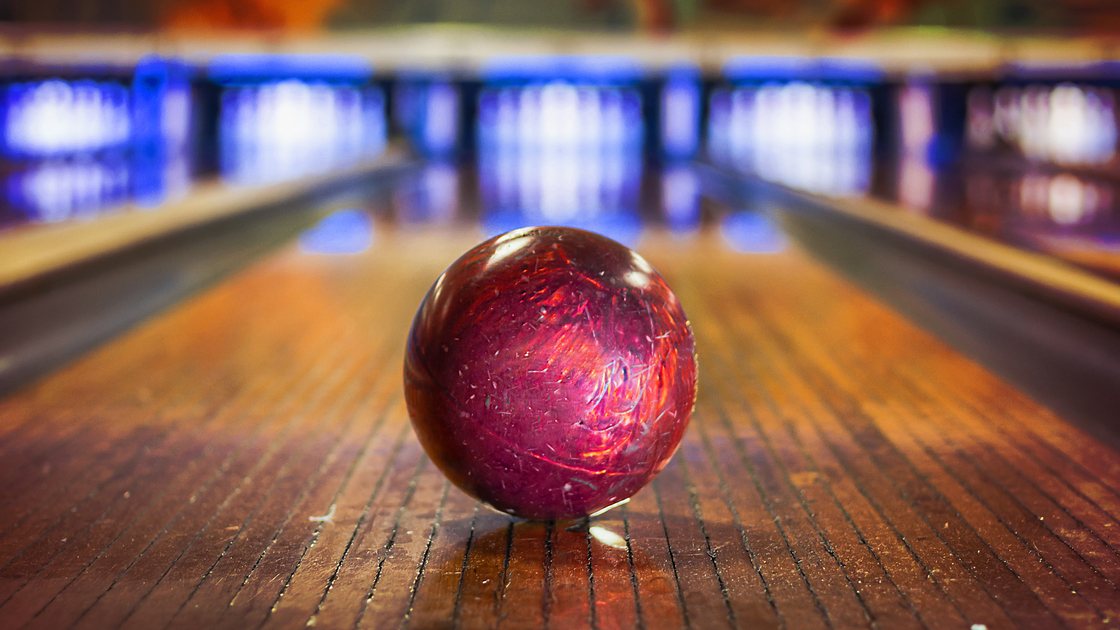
245, 460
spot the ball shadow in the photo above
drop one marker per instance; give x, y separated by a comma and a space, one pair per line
520, 572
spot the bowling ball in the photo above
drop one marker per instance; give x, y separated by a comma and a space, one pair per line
550, 372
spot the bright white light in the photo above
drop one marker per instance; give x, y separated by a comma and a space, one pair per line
637, 279
1034, 134
176, 117
559, 116
590, 117
812, 137
508, 248
1082, 128
57, 117
1067, 199
290, 128
1064, 124
915, 107
1064, 199
560, 153
529, 116
641, 263
1071, 201
607, 537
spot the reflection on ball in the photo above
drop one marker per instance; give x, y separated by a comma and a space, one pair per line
550, 372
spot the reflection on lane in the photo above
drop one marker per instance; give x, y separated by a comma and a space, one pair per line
669, 199
55, 191
1064, 199
1038, 170
751, 233
680, 198
1029, 161
596, 190
430, 197
343, 232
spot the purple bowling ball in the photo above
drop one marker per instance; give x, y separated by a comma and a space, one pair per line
550, 372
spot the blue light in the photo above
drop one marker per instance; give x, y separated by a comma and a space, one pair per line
579, 69
751, 233
522, 69
427, 108
155, 80
344, 232
440, 122
766, 69
604, 69
407, 96
680, 114
1049, 71
849, 71
161, 122
782, 69
430, 197
680, 199
241, 69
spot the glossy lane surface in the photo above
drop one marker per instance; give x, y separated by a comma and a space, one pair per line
246, 460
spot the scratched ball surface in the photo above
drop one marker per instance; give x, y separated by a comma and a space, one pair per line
550, 372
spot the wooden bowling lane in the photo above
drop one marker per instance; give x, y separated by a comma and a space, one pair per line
245, 460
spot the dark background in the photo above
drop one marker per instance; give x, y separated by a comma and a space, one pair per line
1070, 16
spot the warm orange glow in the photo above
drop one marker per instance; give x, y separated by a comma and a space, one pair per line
655, 15
271, 14
863, 13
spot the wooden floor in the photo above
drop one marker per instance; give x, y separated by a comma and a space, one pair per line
245, 460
